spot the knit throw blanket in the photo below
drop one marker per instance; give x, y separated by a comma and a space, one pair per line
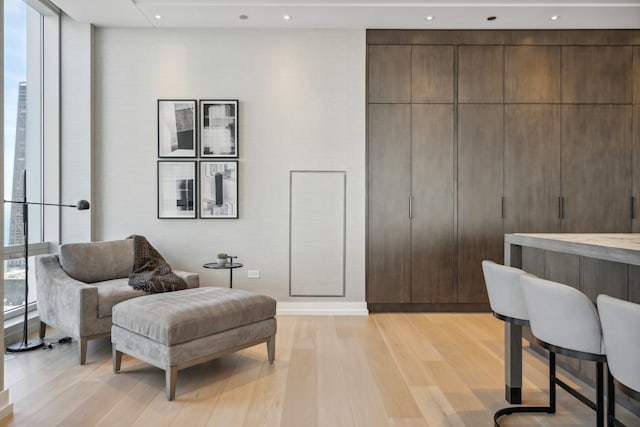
151, 273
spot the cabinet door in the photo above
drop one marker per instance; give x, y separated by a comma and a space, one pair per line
596, 74
480, 74
480, 231
432, 74
389, 228
532, 74
532, 168
596, 168
432, 238
389, 73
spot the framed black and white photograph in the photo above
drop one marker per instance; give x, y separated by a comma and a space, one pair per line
219, 128
218, 189
176, 189
177, 128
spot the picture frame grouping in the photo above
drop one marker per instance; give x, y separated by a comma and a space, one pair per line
200, 188
186, 131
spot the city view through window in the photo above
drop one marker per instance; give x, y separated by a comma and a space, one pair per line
18, 135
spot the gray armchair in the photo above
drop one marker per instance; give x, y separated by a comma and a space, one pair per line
78, 288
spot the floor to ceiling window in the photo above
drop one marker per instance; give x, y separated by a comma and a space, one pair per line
30, 38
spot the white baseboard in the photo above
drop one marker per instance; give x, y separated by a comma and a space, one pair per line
286, 308
6, 407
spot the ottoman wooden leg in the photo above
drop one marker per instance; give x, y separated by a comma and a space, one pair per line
271, 348
171, 375
117, 359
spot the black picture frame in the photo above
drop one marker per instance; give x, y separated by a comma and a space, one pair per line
177, 189
219, 185
177, 128
218, 128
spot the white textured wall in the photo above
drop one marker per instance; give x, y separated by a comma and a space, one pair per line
76, 128
302, 106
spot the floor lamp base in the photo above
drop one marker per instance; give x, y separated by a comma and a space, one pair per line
22, 346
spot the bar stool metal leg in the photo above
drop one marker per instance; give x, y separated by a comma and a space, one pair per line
611, 401
600, 396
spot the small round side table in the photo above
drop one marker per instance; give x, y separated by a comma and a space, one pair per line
227, 266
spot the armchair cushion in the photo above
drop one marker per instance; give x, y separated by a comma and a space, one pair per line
111, 292
97, 261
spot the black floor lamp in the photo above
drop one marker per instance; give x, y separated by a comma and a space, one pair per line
26, 344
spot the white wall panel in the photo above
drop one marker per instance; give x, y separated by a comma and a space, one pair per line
317, 233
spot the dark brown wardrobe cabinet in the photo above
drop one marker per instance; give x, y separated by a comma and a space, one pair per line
474, 134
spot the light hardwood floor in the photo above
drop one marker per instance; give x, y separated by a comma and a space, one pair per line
435, 369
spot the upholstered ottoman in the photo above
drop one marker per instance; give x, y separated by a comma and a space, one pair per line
175, 330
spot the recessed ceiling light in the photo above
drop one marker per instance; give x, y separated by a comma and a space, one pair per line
554, 18
158, 16
286, 17
491, 18
429, 18
243, 17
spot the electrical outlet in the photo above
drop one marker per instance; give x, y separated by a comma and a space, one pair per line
253, 274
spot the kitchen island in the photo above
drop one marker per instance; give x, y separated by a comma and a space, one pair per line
594, 263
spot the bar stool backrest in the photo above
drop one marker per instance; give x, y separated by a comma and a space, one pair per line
504, 290
562, 316
621, 330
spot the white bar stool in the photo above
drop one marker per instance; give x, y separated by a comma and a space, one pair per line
620, 322
564, 321
507, 304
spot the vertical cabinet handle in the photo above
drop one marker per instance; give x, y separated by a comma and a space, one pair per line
633, 207
561, 207
502, 207
410, 207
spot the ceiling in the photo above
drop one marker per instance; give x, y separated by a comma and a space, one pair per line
356, 14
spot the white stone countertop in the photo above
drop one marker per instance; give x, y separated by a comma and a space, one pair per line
619, 247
